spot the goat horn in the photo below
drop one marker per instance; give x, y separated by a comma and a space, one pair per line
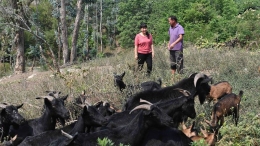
184, 92
145, 101
3, 105
143, 106
104, 103
48, 97
80, 105
13, 138
197, 77
208, 122
97, 103
83, 92
66, 134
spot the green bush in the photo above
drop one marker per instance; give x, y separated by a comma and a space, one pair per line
4, 69
107, 142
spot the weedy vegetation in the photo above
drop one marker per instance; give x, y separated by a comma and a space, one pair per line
237, 66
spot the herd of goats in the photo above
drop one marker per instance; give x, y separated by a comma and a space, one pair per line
150, 117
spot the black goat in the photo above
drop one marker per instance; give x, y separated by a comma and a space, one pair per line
104, 108
148, 85
132, 133
54, 111
193, 84
89, 117
165, 136
9, 117
176, 108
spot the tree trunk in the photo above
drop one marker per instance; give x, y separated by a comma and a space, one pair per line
87, 23
96, 26
100, 27
19, 46
19, 40
73, 55
64, 35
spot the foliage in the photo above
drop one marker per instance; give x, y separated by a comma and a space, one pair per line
107, 142
128, 24
218, 21
200, 142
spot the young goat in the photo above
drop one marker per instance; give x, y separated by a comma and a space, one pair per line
227, 105
218, 90
149, 85
191, 132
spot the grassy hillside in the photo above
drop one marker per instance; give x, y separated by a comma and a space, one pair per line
239, 67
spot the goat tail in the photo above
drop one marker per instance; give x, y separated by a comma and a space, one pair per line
241, 93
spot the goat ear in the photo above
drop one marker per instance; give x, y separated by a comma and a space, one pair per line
65, 97
19, 106
193, 125
183, 126
207, 80
3, 112
123, 74
85, 110
47, 102
204, 132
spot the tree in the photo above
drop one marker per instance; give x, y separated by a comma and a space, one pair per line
130, 17
73, 54
64, 32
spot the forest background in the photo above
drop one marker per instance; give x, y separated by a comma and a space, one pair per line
53, 33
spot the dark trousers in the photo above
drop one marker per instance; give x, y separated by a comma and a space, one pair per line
176, 58
145, 58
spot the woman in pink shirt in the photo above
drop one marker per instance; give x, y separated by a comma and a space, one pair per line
144, 49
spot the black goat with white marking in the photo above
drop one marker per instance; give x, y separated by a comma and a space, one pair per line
54, 111
9, 116
192, 84
176, 108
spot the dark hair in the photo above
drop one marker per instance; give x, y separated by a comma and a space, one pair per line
174, 18
144, 25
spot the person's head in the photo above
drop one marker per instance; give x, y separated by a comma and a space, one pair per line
172, 20
143, 27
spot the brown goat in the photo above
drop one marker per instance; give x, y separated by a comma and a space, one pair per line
210, 138
227, 105
218, 90
189, 132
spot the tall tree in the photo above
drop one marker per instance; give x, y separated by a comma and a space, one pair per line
19, 37
100, 26
73, 54
64, 32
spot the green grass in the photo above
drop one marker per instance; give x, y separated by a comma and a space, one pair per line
239, 67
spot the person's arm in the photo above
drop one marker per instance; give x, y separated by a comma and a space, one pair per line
177, 41
136, 53
152, 45
152, 51
136, 47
